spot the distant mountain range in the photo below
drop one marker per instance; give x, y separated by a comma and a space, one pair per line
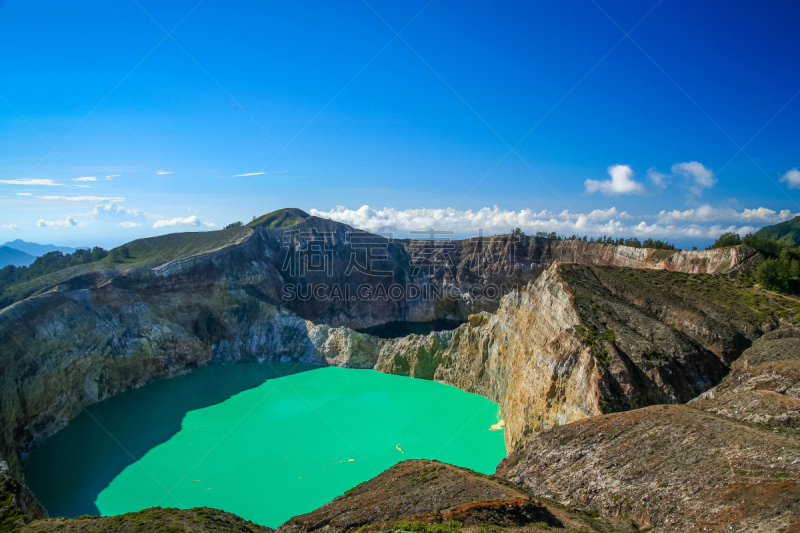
36, 249
10, 256
21, 253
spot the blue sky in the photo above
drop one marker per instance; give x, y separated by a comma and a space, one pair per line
629, 136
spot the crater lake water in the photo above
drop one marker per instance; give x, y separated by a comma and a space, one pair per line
264, 441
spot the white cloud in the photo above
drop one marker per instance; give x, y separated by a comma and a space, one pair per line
249, 174
81, 198
85, 178
47, 182
68, 222
24, 194
114, 209
10, 226
112, 176
658, 178
673, 225
129, 224
193, 220
706, 213
698, 176
162, 172
608, 214
597, 214
791, 178
621, 182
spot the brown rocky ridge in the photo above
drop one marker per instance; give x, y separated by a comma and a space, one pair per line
154, 519
675, 467
416, 494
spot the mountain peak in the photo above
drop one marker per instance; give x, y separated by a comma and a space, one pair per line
281, 218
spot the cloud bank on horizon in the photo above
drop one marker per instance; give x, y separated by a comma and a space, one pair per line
703, 222
692, 178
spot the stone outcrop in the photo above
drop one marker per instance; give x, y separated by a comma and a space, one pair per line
417, 493
728, 459
674, 468
764, 407
265, 259
152, 520
763, 386
771, 364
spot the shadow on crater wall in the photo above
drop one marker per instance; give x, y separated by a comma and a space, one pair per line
394, 330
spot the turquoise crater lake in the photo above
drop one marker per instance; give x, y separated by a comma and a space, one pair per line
266, 442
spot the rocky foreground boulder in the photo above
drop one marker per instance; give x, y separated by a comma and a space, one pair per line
421, 495
729, 462
154, 519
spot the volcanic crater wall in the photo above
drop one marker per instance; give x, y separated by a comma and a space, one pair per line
95, 335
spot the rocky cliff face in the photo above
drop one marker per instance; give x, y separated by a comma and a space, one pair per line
528, 358
17, 504
727, 461
583, 340
763, 386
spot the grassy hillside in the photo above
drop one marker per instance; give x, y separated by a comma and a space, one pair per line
156, 251
148, 253
788, 231
282, 218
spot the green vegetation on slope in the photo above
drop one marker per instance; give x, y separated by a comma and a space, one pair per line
48, 263
17, 283
657, 318
780, 271
716, 294
11, 517
149, 252
154, 251
788, 232
726, 240
282, 218
633, 242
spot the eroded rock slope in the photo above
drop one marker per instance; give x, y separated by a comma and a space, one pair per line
418, 493
717, 464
